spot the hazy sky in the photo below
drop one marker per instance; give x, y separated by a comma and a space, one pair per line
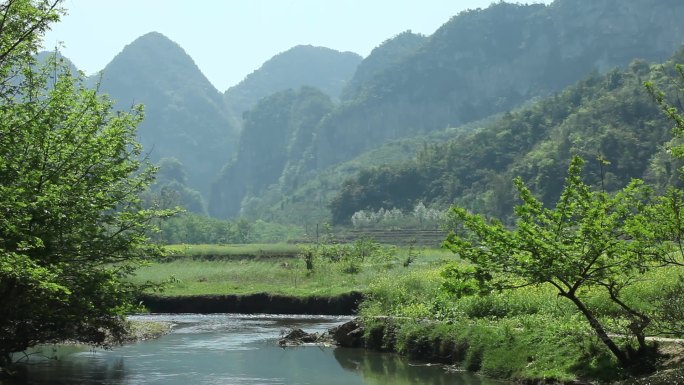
228, 39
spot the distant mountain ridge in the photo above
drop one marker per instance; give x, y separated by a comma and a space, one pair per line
610, 116
186, 118
302, 65
479, 63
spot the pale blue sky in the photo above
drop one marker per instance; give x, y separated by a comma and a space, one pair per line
228, 39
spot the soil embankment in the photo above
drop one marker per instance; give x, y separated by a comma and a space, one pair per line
344, 304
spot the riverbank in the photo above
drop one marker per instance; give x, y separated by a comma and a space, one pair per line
483, 350
343, 304
527, 335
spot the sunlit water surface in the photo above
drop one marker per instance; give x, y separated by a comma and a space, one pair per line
234, 349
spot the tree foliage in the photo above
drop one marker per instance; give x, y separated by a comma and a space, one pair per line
670, 317
200, 229
72, 227
671, 110
590, 240
170, 189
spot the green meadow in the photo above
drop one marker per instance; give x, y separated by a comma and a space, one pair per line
279, 269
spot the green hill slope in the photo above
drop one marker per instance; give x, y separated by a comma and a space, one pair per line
488, 61
480, 63
610, 116
273, 148
185, 117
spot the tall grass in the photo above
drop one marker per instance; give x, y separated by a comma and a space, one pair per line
249, 269
528, 333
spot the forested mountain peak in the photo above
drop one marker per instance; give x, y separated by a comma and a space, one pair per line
479, 64
389, 53
302, 65
185, 114
154, 53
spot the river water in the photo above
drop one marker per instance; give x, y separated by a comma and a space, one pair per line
233, 349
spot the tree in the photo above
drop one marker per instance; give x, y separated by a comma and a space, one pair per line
670, 306
72, 227
591, 239
172, 170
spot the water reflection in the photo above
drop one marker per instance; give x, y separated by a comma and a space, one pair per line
382, 368
82, 368
232, 349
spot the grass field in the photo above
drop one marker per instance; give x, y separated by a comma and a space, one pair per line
275, 269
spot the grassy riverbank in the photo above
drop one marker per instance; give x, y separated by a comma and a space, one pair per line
529, 334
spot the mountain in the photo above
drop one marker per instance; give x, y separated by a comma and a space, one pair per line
303, 65
391, 52
610, 120
43, 57
276, 135
307, 202
491, 60
185, 116
479, 64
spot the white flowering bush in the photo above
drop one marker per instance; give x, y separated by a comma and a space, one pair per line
420, 217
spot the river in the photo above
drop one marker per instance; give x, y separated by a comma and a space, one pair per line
233, 349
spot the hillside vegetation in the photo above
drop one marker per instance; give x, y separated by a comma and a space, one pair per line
610, 116
273, 147
304, 65
188, 120
185, 117
480, 63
